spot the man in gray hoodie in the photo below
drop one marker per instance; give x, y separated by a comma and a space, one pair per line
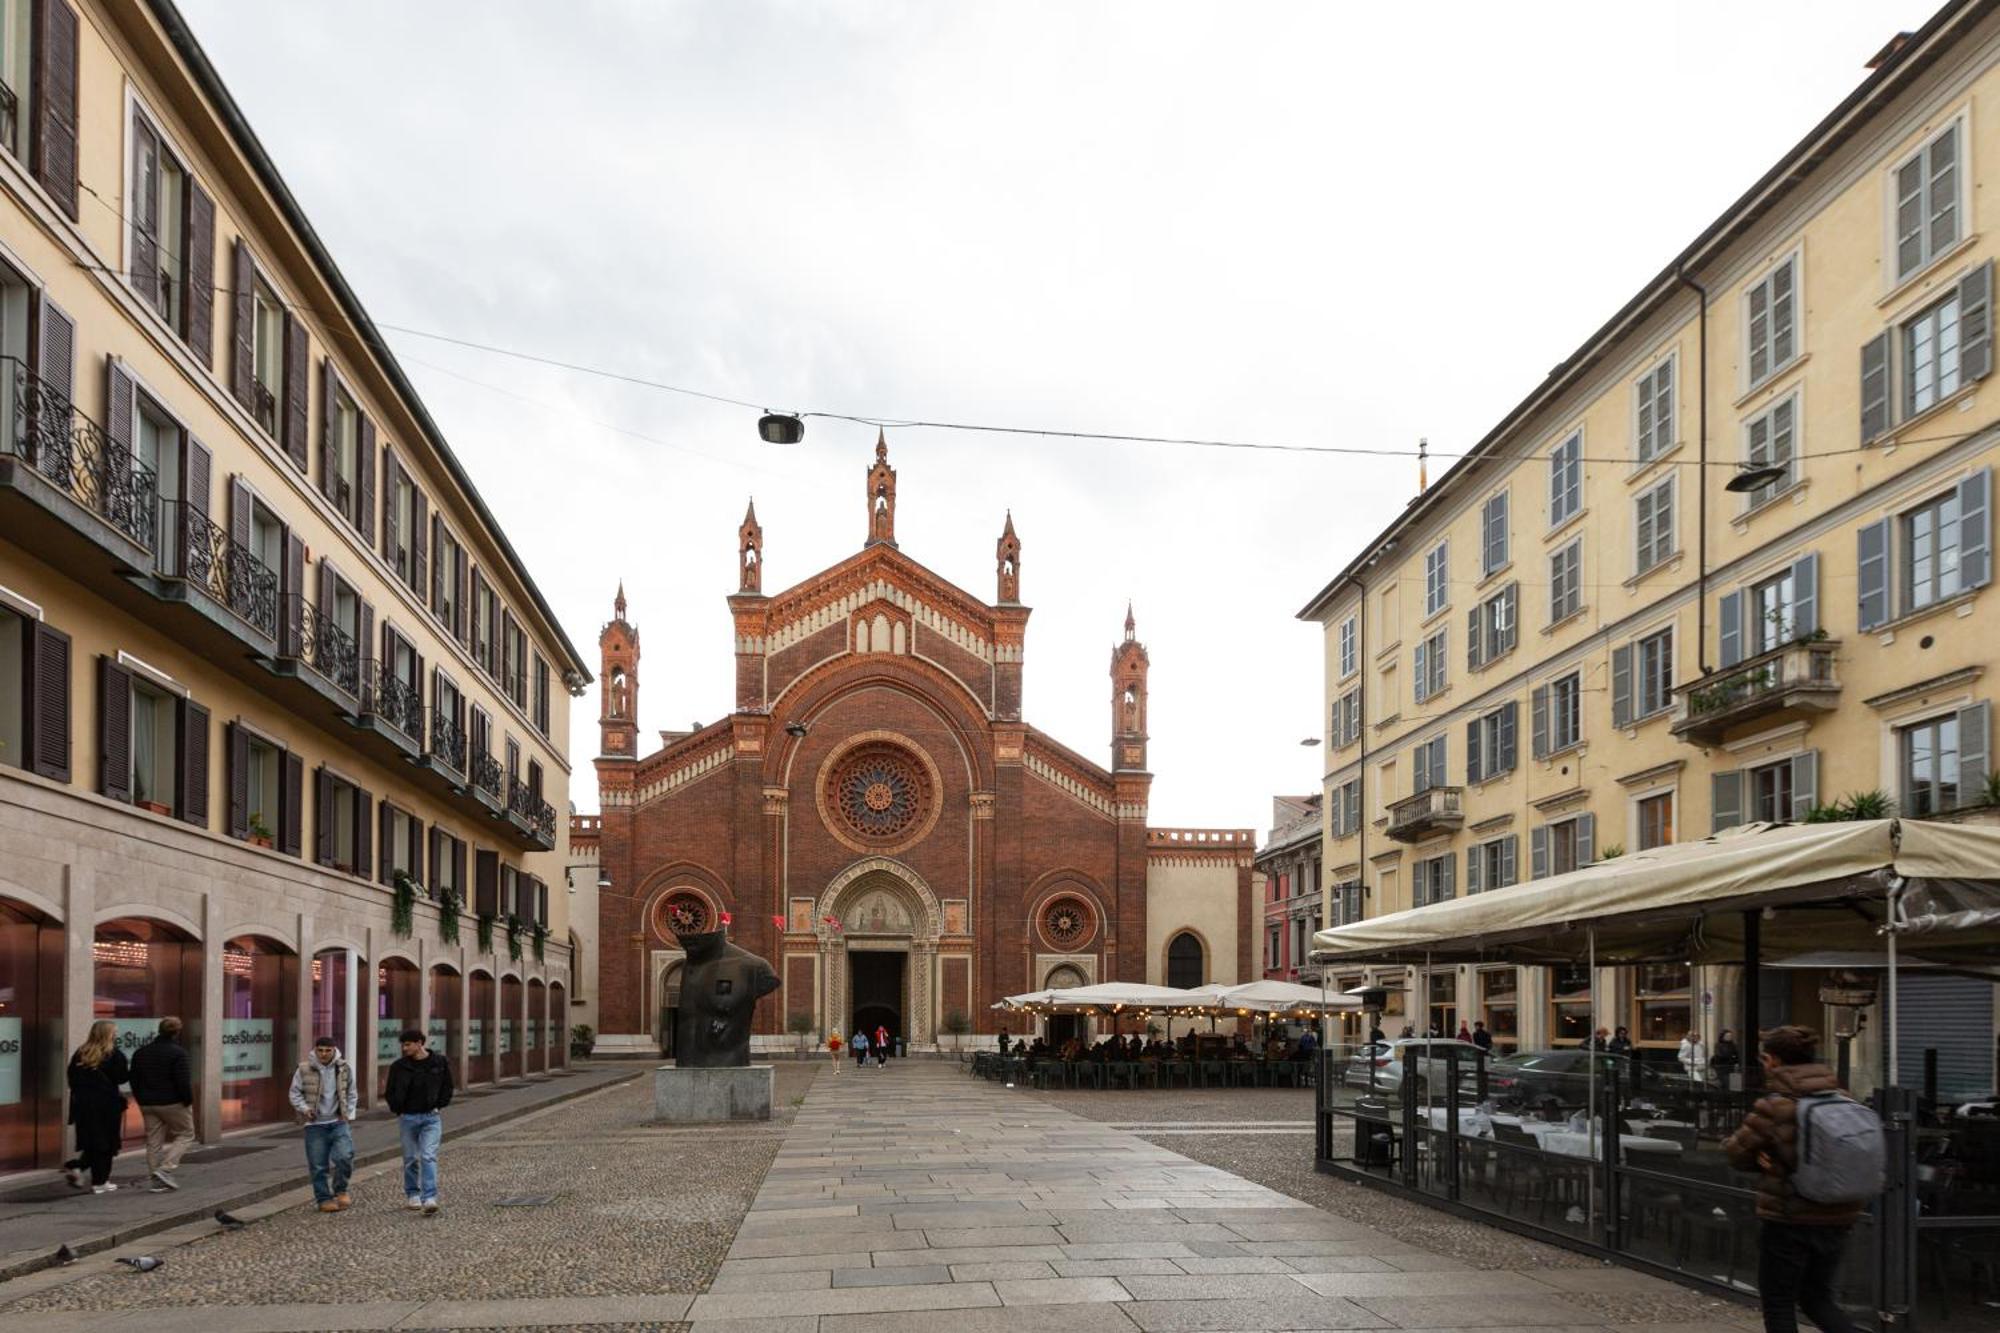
323, 1100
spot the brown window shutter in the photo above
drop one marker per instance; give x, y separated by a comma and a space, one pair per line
119, 403
55, 351
292, 588
325, 604
241, 508
239, 781
322, 817
329, 452
434, 861
243, 330
144, 208
191, 770
458, 866
297, 390
486, 897
55, 84
475, 633
392, 482
47, 679
291, 793
541, 903
419, 529
417, 848
386, 825
366, 645
367, 483
114, 730
364, 833
461, 566
198, 311
197, 473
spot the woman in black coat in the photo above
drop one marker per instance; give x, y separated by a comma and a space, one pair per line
96, 1107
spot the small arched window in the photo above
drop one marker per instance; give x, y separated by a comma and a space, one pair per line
1185, 965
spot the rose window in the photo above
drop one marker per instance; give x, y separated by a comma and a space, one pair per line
879, 793
684, 914
1067, 923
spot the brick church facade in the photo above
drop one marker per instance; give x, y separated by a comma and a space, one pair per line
876, 817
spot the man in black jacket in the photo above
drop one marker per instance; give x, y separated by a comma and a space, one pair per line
163, 1085
419, 1088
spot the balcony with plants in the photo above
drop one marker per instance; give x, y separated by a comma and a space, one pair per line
1797, 676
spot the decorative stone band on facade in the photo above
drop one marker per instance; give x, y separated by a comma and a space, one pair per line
832, 613
982, 805
1064, 783
777, 800
680, 777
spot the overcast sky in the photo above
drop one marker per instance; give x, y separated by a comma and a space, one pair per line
1316, 224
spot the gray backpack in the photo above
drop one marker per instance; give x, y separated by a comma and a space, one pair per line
1842, 1155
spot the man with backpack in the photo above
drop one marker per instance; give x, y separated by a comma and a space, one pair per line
1822, 1157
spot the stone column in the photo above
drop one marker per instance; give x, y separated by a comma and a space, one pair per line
208, 1074
923, 991
79, 973
769, 934
979, 894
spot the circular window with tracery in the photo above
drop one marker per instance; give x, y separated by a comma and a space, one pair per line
685, 914
878, 794
1068, 923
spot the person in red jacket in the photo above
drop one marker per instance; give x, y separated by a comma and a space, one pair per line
881, 1045
1801, 1242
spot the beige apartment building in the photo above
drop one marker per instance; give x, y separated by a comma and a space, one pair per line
1583, 642
277, 697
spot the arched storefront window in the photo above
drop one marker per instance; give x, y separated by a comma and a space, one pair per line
558, 1025
447, 1002
141, 972
1186, 968
260, 1030
511, 997
335, 1003
398, 1004
480, 1039
538, 1009
31, 1039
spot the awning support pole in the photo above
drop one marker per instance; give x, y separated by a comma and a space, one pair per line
1590, 1076
1753, 997
1889, 1014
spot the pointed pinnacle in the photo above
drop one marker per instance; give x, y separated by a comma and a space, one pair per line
750, 514
881, 444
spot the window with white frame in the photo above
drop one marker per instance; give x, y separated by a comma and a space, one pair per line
1927, 215
1346, 720
345, 422
1490, 743
1492, 631
1493, 534
1931, 545
1774, 610
1770, 440
1931, 361
263, 762
1427, 765
1565, 718
17, 73
1433, 879
1928, 754
1349, 639
1566, 480
157, 210
1771, 790
155, 715
1346, 812
1771, 318
1655, 819
1653, 522
267, 353
1653, 661
1491, 865
1566, 582
1430, 666
1437, 579
1653, 411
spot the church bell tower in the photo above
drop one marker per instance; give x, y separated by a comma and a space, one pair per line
1129, 665
618, 717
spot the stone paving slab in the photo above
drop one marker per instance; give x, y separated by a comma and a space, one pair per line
1061, 1291
1305, 1312
1474, 1311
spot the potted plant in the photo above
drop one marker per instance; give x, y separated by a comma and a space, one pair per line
260, 832
957, 1024
540, 936
449, 906
403, 906
581, 1038
800, 1025
513, 937
486, 932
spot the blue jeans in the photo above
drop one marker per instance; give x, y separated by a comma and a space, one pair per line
421, 1133
330, 1157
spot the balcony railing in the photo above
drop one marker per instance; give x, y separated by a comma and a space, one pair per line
487, 775
314, 639
1439, 809
72, 453
393, 699
532, 811
1793, 676
447, 741
209, 559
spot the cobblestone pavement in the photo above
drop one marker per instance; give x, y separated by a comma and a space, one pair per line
636, 1221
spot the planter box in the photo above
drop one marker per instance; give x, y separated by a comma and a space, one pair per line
258, 841
155, 807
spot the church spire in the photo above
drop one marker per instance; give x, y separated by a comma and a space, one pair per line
1008, 552
1131, 625
750, 552
881, 494
1129, 665
618, 602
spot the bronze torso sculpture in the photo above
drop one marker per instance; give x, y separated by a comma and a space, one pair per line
720, 987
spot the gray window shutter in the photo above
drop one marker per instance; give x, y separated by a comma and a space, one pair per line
1805, 784
1508, 873
1586, 840
1973, 743
1538, 853
1446, 885
1509, 637
1475, 858
1504, 761
1621, 686
1730, 618
1975, 323
1422, 676
1420, 768
243, 329
1875, 388
1805, 595
366, 486
1538, 722
1439, 775
1725, 800
1975, 529
1872, 573
329, 431
1475, 642
1472, 752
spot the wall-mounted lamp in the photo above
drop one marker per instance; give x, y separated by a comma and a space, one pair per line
604, 879
796, 730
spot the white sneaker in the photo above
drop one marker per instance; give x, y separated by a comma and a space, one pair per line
164, 1180
105, 1188
413, 1203
430, 1205
74, 1177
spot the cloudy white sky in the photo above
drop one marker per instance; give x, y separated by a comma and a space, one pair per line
1302, 223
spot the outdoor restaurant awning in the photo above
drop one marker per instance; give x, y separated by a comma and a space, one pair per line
1261, 997
1831, 882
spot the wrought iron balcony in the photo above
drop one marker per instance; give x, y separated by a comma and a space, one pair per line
487, 778
312, 637
1793, 677
531, 812
72, 453
211, 563
1438, 810
389, 698
447, 742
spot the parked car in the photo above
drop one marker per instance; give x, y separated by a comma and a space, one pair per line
1383, 1065
1527, 1077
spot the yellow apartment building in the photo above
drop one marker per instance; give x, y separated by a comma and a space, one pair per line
1584, 640
280, 705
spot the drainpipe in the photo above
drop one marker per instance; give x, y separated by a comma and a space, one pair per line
1701, 475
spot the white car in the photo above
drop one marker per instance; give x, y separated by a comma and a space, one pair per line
1381, 1064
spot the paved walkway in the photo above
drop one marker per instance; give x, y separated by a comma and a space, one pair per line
40, 1212
906, 1193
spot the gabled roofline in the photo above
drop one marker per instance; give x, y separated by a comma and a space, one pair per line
231, 115
1895, 67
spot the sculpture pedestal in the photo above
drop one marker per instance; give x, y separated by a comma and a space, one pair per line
683, 1095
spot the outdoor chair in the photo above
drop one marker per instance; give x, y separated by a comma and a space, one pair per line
1176, 1069
1214, 1073
1119, 1073
1375, 1138
1243, 1073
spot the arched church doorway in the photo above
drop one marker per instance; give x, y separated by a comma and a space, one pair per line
1062, 1027
878, 945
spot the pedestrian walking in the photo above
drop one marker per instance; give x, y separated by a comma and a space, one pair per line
1727, 1058
1003, 1043
881, 1045
833, 1049
1802, 1237
96, 1107
420, 1087
1621, 1042
1482, 1038
1694, 1056
323, 1100
1464, 1032
163, 1085
858, 1043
